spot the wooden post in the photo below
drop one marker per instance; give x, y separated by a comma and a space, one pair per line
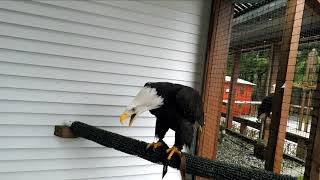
308, 82
281, 100
216, 65
301, 149
301, 111
309, 102
312, 171
312, 167
311, 65
233, 88
266, 131
243, 128
270, 63
275, 59
262, 127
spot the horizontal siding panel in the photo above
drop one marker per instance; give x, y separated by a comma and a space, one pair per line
21, 82
58, 153
92, 65
35, 131
124, 15
153, 10
100, 21
83, 173
59, 108
44, 142
169, 176
58, 164
55, 142
93, 43
195, 7
78, 75
62, 97
19, 118
20, 44
30, 20
85, 61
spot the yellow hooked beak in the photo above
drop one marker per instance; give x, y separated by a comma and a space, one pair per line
123, 117
126, 115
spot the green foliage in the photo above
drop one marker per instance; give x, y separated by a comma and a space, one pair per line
300, 178
300, 68
253, 68
304, 50
253, 63
261, 142
301, 62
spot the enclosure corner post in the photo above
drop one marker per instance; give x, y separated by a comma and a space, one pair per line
216, 65
281, 100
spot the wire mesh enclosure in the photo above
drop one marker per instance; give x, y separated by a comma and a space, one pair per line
269, 102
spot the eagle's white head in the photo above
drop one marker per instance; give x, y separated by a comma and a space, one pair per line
146, 99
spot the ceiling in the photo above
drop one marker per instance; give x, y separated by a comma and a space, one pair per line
261, 24
242, 8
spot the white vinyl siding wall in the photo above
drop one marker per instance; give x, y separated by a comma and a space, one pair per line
85, 61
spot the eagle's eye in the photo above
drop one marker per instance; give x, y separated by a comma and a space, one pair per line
133, 109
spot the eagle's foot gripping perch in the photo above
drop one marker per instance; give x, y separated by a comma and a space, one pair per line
173, 150
154, 145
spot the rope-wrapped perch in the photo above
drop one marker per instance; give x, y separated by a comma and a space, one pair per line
194, 164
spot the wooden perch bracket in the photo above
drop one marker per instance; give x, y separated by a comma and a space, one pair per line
63, 132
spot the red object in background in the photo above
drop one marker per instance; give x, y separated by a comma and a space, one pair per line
243, 96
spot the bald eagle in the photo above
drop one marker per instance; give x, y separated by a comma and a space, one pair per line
266, 106
264, 110
175, 107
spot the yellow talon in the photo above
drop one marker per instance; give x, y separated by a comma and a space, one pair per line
172, 151
155, 145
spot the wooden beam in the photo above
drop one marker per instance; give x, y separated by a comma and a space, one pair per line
214, 77
289, 136
266, 130
275, 59
233, 88
309, 79
312, 170
216, 65
243, 129
301, 151
281, 101
268, 84
301, 110
315, 162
